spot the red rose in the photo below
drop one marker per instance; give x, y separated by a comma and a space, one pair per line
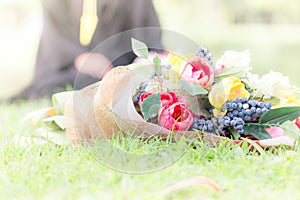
166, 98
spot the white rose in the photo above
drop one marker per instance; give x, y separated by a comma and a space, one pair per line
273, 84
232, 59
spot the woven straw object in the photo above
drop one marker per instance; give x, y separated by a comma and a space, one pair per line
105, 109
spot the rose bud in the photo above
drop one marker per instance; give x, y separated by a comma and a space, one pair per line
175, 117
166, 98
197, 71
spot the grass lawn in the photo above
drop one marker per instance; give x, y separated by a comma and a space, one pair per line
60, 172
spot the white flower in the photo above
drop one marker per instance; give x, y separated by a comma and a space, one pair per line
273, 84
251, 79
232, 59
154, 86
168, 85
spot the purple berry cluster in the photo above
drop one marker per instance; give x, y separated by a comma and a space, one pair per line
220, 125
248, 110
239, 111
204, 53
137, 96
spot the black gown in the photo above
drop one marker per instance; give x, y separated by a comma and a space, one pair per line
59, 44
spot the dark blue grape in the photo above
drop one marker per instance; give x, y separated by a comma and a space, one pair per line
195, 119
241, 131
253, 110
244, 100
143, 87
252, 103
238, 127
247, 118
239, 106
228, 106
210, 127
239, 100
136, 98
195, 125
264, 110
226, 118
247, 112
246, 106
239, 121
255, 115
221, 120
214, 121
258, 111
241, 114
268, 105
230, 114
227, 123
234, 106
261, 104
235, 113
201, 122
167, 66
204, 53
233, 123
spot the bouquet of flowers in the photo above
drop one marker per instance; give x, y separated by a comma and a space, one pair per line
185, 93
177, 95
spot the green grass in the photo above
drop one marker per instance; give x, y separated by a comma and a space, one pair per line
48, 171
60, 172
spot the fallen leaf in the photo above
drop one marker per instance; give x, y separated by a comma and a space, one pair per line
192, 182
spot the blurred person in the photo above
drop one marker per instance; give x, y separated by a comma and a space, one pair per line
61, 56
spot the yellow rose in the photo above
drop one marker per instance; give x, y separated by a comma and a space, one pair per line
176, 61
287, 101
226, 90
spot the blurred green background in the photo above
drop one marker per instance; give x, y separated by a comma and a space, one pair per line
270, 29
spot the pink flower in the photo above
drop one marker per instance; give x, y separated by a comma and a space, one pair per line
298, 122
143, 97
152, 54
275, 132
175, 117
166, 98
218, 70
198, 72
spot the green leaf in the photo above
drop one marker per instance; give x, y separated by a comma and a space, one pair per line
54, 136
198, 104
60, 99
280, 115
150, 106
235, 134
157, 65
139, 48
232, 72
140, 69
273, 100
291, 129
192, 88
257, 130
55, 122
34, 119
